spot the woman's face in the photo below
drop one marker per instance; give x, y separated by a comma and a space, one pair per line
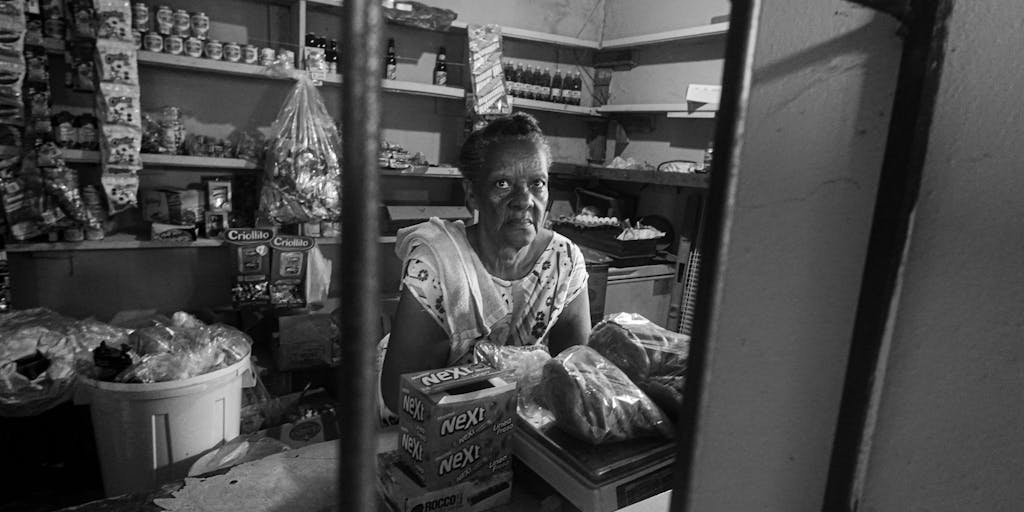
513, 196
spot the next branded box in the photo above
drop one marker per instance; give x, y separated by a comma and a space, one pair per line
456, 423
403, 494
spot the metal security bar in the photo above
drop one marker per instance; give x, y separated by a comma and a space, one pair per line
360, 122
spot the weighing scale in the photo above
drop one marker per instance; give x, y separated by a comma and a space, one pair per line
598, 478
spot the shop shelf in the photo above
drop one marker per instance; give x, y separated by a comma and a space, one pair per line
553, 107
200, 64
652, 177
424, 172
176, 161
702, 111
508, 32
125, 241
698, 32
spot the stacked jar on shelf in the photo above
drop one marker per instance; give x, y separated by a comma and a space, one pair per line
178, 32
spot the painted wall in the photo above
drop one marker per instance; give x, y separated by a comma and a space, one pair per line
824, 75
950, 433
624, 18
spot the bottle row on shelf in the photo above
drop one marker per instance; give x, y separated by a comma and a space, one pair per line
532, 83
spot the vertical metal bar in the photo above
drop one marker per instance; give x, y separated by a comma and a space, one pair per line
737, 76
898, 188
360, 120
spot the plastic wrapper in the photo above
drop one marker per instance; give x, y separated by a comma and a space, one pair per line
303, 161
639, 347
490, 96
177, 352
114, 20
61, 182
38, 357
244, 448
653, 357
117, 62
594, 401
415, 14
121, 190
248, 145
83, 19
80, 72
118, 104
525, 364
121, 146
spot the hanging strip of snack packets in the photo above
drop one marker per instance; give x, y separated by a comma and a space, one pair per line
117, 104
490, 96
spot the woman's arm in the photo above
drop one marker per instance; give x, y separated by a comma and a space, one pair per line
572, 326
417, 343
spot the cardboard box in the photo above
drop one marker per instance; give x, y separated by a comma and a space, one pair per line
185, 206
455, 423
403, 494
289, 259
154, 205
305, 341
250, 265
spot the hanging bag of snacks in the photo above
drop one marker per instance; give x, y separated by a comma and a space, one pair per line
303, 160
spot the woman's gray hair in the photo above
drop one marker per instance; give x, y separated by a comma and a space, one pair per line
518, 126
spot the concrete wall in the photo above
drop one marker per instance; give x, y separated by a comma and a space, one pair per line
624, 18
824, 75
949, 434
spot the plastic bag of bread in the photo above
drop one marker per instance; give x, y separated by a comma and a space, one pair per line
525, 363
594, 401
639, 347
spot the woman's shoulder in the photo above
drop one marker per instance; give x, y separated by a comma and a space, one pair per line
562, 244
435, 235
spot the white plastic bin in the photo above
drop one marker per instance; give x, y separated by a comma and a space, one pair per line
150, 434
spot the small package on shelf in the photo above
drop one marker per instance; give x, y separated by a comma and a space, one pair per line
154, 205
490, 96
215, 222
173, 232
114, 20
82, 16
289, 259
80, 70
117, 62
121, 146
185, 206
250, 265
121, 189
218, 194
119, 105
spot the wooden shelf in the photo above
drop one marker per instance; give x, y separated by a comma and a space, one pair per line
699, 32
197, 63
652, 177
154, 160
694, 110
124, 241
424, 172
554, 107
538, 37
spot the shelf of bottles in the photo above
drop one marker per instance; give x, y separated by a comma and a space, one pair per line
542, 89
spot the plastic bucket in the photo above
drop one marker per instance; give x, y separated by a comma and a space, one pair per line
150, 434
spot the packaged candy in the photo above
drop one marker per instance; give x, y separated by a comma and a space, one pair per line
80, 73
289, 258
117, 62
87, 131
121, 146
36, 66
121, 190
250, 265
303, 160
83, 19
65, 133
119, 104
114, 20
490, 96
61, 182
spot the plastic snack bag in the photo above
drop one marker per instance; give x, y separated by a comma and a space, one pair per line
119, 104
117, 62
596, 402
526, 364
303, 160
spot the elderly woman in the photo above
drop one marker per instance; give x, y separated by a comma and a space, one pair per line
505, 279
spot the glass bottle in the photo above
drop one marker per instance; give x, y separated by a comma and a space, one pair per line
391, 62
441, 68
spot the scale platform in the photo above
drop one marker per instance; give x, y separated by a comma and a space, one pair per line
595, 478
